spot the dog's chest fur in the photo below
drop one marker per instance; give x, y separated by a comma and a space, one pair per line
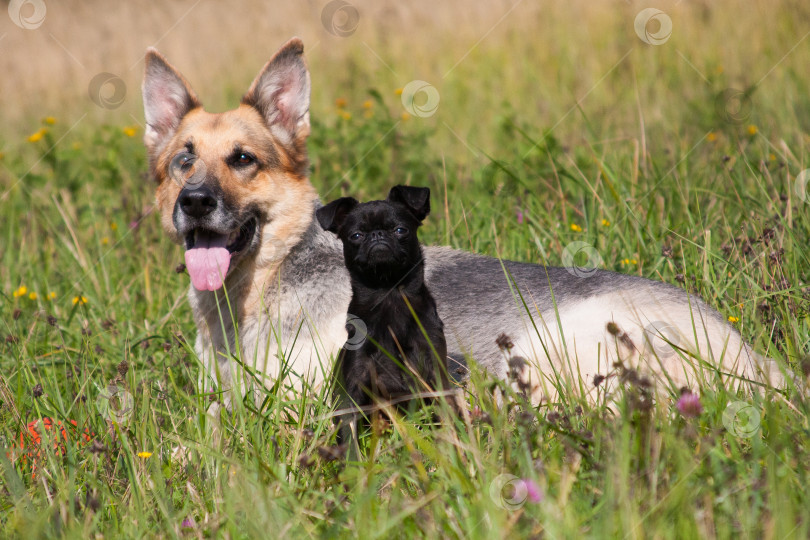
290, 319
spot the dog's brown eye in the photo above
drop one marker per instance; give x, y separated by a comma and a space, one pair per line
356, 236
241, 159
401, 231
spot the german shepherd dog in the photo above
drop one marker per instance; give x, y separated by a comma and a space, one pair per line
270, 289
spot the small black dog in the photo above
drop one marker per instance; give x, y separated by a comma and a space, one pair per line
384, 259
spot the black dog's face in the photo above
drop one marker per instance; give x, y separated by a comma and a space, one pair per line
380, 242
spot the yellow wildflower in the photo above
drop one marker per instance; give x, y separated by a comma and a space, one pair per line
405, 116
367, 104
130, 131
346, 115
772, 157
105, 241
733, 319
711, 137
33, 296
144, 455
576, 228
398, 91
340, 102
752, 129
114, 226
76, 146
79, 300
605, 223
20, 291
51, 295
50, 120
2, 155
36, 137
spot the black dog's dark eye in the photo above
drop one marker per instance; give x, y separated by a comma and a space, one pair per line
401, 230
356, 236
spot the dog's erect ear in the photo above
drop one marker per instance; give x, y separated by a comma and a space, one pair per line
416, 199
281, 93
332, 215
167, 98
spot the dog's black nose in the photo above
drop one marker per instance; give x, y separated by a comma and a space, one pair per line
197, 202
377, 235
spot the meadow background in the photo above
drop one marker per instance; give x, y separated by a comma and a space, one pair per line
680, 158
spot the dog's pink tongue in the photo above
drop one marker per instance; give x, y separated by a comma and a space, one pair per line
207, 262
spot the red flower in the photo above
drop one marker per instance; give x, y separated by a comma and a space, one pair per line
34, 452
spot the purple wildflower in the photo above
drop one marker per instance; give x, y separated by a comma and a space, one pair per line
689, 405
533, 491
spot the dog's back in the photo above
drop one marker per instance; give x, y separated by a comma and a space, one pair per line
577, 323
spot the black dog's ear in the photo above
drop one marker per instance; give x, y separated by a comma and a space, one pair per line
416, 199
332, 215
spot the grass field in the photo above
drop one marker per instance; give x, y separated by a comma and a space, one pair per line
680, 161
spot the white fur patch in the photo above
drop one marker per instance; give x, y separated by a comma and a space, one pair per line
576, 343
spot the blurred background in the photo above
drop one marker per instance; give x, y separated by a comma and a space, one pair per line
571, 66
